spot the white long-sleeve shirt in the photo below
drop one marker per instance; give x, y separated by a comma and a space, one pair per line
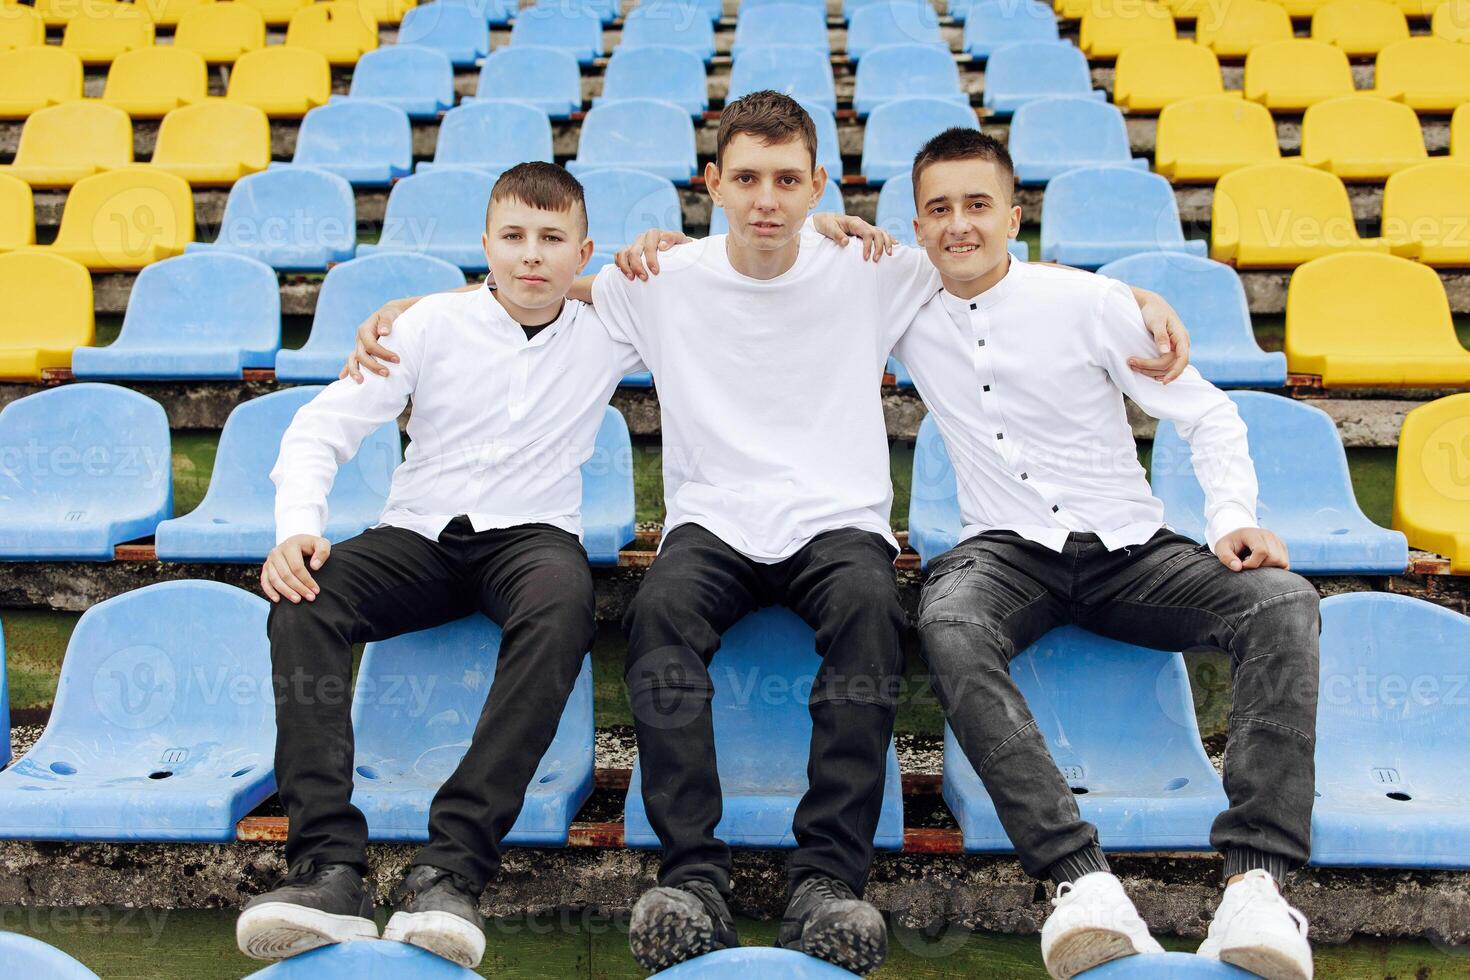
1026, 383
500, 426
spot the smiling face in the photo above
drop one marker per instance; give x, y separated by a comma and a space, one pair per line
966, 219
534, 254
766, 189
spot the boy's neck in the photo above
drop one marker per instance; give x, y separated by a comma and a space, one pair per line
759, 263
528, 318
970, 288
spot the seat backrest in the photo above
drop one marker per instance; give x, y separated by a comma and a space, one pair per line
802, 73
278, 71
48, 300
205, 297
829, 151
896, 130
289, 206
132, 211
1359, 26
353, 290
542, 76
1040, 67
1428, 73
148, 73
221, 31
622, 204
1215, 126
339, 29
168, 13
356, 131
1240, 25
1360, 128
277, 13
781, 23
608, 506
1460, 131
1341, 304
387, 11
634, 131
450, 26
42, 72
76, 133
668, 23
17, 214
1140, 207
1451, 21
674, 74
1294, 74
1066, 128
1429, 203
1208, 295
215, 131
992, 24
1432, 487
899, 70
558, 26
405, 71
1109, 28
934, 505
99, 32
494, 133
898, 22
21, 27
1254, 204
1154, 74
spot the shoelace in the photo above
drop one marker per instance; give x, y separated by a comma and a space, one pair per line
709, 896
1268, 892
829, 888
428, 880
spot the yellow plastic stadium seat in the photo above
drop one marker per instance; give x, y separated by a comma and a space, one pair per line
123, 220
1201, 140
1239, 25
48, 313
151, 82
1451, 21
17, 214
339, 29
1301, 9
1152, 76
101, 32
1071, 9
1110, 26
277, 13
1430, 204
1431, 490
20, 27
59, 13
1363, 319
61, 144
1362, 137
213, 144
1419, 9
1189, 9
33, 78
168, 13
1291, 75
1428, 74
1360, 27
1460, 132
387, 11
283, 82
1279, 215
221, 32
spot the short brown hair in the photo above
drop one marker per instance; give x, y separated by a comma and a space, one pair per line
545, 186
960, 143
771, 118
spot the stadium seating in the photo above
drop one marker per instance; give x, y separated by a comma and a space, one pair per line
668, 24
95, 472
671, 74
290, 218
101, 31
48, 313
1051, 136
367, 143
213, 144
1028, 70
21, 27
993, 24
33, 78
236, 520
61, 144
371, 959
934, 508
802, 73
168, 13
277, 13
1430, 503
1174, 966
1202, 139
456, 30
142, 744
491, 136
122, 220
904, 71
1460, 132
1362, 137
897, 129
572, 29
1359, 27
744, 962
1451, 21
1210, 298
544, 77
1289, 76
643, 134
1306, 493
4, 713
441, 213
608, 508
340, 30
17, 214
1109, 28
284, 82
1429, 205
151, 82
801, 25
762, 741
1362, 319
831, 201
1093, 215
387, 12
829, 150
1390, 720
221, 32
418, 80
57, 13
33, 958
1156, 74
1428, 74
1279, 215
622, 204
208, 315
878, 24
351, 292
1242, 25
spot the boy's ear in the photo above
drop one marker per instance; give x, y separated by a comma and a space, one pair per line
919, 234
587, 249
712, 182
1015, 223
819, 184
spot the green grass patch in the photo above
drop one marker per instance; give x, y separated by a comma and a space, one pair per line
35, 642
193, 461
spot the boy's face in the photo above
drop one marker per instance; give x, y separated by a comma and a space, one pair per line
965, 217
765, 189
534, 253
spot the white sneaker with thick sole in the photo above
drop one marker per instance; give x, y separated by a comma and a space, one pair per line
441, 933
1094, 922
1255, 929
275, 930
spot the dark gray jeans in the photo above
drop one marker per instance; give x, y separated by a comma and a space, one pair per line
993, 595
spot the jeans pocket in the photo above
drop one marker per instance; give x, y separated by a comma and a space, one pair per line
942, 582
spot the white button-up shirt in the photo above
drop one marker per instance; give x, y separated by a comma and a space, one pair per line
501, 425
1026, 383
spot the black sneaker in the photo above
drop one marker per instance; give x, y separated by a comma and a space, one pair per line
310, 907
826, 920
439, 911
673, 924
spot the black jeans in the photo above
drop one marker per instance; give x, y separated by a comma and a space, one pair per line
842, 584
993, 595
532, 580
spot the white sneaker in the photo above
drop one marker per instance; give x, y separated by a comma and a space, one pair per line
1255, 929
1094, 923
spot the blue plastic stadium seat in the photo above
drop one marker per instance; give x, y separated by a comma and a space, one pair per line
29, 957
905, 71
418, 80
1026, 70
368, 959
572, 29
608, 521
992, 24
1093, 215
829, 150
368, 143
934, 507
895, 22
440, 214
351, 292
547, 78
290, 218
1119, 721
749, 962
1391, 724
1169, 966
236, 521
896, 216
459, 31
86, 468
831, 201
643, 134
1210, 298
163, 726
744, 5
896, 130
669, 24
799, 25
205, 316
669, 74
607, 11
406, 746
850, 7
762, 740
802, 73
1306, 493
4, 706
623, 204
1050, 136
491, 136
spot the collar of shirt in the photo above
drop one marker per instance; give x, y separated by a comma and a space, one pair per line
989, 299
499, 318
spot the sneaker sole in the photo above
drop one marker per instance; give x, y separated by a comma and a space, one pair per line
277, 930
856, 950
1086, 948
1265, 962
441, 933
667, 935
